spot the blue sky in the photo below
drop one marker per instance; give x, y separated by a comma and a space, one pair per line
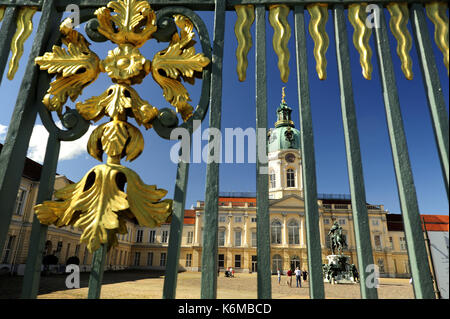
154, 164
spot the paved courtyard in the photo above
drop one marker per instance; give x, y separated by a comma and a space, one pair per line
144, 285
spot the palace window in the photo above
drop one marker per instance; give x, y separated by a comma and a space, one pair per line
254, 240
275, 232
221, 237
253, 219
150, 259
8, 249
85, 256
58, 249
20, 201
188, 260
137, 258
326, 221
293, 232
221, 260
290, 178
402, 243
237, 261
277, 263
272, 178
238, 219
152, 236
120, 258
375, 222
165, 236
77, 250
139, 235
190, 237
381, 265
377, 240
222, 219
391, 243
237, 238
341, 221
162, 260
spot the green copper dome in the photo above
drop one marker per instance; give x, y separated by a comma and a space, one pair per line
284, 136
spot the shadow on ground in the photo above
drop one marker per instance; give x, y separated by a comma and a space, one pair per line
11, 286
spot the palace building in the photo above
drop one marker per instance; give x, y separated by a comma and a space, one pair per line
146, 248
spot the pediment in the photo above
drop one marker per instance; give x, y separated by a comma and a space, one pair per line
290, 201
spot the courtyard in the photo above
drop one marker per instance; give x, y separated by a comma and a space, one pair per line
144, 284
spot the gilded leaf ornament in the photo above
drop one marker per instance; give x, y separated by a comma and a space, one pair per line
399, 27
23, 31
319, 17
2, 13
436, 12
361, 36
98, 203
178, 61
245, 17
282, 32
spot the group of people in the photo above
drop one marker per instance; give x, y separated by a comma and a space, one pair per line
229, 272
299, 275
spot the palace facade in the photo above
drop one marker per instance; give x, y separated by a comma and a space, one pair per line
146, 248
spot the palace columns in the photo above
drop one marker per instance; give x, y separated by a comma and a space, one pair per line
302, 232
229, 232
197, 230
245, 230
284, 236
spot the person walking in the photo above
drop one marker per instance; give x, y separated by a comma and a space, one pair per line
289, 281
305, 275
298, 277
279, 276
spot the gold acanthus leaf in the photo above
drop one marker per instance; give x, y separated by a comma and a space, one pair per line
116, 139
319, 18
282, 32
23, 31
134, 22
178, 61
99, 206
115, 102
75, 68
2, 12
245, 17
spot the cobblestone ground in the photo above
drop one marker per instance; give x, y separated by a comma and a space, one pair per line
144, 285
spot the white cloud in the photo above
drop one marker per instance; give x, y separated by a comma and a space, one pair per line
3, 130
38, 143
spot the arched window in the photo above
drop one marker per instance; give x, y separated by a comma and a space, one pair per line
272, 179
275, 232
277, 263
293, 232
295, 262
290, 178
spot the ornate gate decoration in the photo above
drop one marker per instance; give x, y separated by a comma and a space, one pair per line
98, 203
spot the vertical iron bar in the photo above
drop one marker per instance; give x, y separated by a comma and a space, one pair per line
6, 34
210, 223
422, 281
96, 276
30, 287
262, 183
176, 231
316, 287
352, 146
436, 102
12, 157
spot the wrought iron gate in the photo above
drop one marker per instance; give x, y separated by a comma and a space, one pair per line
17, 15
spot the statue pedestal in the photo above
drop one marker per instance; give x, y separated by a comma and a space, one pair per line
338, 270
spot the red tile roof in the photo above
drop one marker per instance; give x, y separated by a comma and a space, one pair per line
432, 222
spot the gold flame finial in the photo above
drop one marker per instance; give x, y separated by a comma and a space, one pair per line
283, 95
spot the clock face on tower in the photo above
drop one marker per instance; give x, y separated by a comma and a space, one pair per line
290, 158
